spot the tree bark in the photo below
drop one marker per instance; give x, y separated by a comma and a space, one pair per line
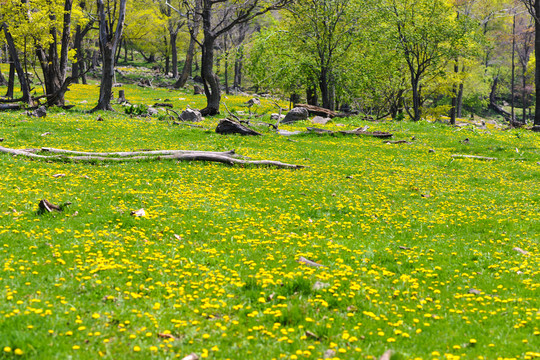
54, 65
174, 54
238, 64
537, 57
109, 41
210, 80
416, 98
11, 80
188, 64
25, 87
453, 111
2, 79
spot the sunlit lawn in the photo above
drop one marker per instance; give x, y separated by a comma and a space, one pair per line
417, 248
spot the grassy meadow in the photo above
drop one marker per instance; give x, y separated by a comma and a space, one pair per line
418, 248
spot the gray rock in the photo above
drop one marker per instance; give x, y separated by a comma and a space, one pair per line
296, 114
40, 112
320, 120
152, 111
191, 115
274, 117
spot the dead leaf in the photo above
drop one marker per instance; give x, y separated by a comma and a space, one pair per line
309, 334
178, 237
352, 308
58, 175
166, 336
387, 355
302, 259
426, 195
520, 250
474, 291
404, 248
46, 133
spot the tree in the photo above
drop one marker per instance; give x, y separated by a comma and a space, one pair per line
218, 17
533, 6
427, 33
324, 31
23, 80
193, 23
109, 16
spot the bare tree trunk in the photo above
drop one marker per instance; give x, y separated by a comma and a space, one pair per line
188, 64
2, 79
537, 56
416, 98
109, 41
25, 87
174, 53
238, 64
54, 65
524, 94
211, 80
453, 111
513, 86
11, 80
460, 99
226, 51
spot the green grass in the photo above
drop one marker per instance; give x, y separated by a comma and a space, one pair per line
404, 235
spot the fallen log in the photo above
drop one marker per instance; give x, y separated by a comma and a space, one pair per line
398, 142
317, 110
226, 127
377, 134
474, 157
4, 107
227, 157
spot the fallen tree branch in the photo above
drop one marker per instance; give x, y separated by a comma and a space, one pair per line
474, 157
358, 132
135, 153
227, 157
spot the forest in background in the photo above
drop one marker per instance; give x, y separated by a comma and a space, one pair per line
405, 59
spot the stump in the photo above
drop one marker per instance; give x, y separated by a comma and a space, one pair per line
227, 127
121, 97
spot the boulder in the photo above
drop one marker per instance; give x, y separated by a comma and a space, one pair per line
320, 120
191, 115
275, 117
296, 114
153, 111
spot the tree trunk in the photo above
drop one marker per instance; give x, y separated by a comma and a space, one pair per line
11, 81
453, 111
416, 98
460, 101
75, 67
226, 51
174, 52
188, 64
311, 96
524, 93
537, 58
324, 86
25, 87
238, 64
118, 52
54, 65
109, 42
512, 89
210, 80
